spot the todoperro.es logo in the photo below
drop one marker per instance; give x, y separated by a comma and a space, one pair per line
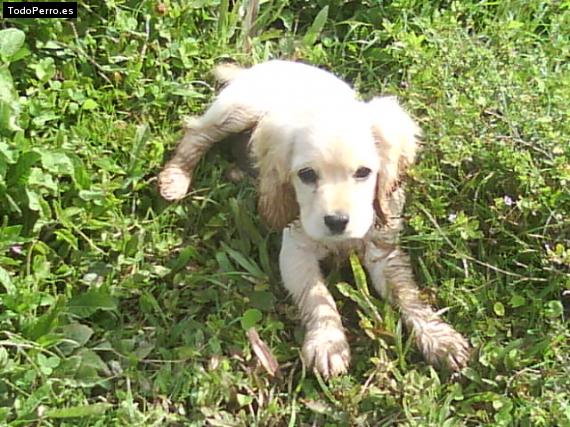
48, 9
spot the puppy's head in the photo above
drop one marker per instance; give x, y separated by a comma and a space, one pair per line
333, 168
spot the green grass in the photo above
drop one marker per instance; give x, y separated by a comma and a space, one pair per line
119, 309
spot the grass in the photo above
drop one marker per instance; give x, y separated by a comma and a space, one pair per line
119, 309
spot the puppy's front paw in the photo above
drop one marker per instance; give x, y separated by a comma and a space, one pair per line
173, 183
327, 350
443, 345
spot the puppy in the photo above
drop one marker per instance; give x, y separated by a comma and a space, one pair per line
330, 170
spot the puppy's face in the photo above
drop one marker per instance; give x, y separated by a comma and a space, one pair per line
334, 166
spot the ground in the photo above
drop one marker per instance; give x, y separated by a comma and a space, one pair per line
117, 308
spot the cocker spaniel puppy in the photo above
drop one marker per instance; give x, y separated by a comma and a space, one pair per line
330, 169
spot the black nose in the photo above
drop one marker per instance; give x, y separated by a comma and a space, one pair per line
336, 223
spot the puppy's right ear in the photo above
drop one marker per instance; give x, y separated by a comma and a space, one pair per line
270, 148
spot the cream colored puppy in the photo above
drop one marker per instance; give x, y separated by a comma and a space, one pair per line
329, 177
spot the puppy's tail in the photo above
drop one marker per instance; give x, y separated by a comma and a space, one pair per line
225, 73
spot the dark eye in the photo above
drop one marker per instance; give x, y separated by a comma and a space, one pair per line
362, 173
308, 175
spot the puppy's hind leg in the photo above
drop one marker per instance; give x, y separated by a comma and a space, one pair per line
220, 121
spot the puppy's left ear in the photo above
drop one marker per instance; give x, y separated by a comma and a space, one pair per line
395, 133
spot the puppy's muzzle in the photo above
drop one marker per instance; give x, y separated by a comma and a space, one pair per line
336, 223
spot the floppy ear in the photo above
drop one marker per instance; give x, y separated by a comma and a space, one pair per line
271, 150
396, 135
